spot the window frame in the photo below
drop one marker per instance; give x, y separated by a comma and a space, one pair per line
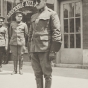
62, 24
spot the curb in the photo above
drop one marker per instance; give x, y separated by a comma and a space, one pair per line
24, 63
79, 66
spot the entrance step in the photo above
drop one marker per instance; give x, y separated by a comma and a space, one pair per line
81, 66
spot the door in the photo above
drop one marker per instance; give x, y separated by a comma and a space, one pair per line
71, 27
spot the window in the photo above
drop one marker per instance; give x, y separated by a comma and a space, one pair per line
72, 25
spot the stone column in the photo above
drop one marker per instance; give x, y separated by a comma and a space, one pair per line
85, 31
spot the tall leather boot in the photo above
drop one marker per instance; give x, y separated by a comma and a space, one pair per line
20, 64
0, 68
39, 82
15, 67
1, 56
48, 82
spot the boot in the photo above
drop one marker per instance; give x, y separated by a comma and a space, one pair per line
39, 82
48, 82
14, 72
15, 68
21, 65
0, 68
21, 72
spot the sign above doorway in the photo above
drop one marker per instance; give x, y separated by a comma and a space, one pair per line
19, 6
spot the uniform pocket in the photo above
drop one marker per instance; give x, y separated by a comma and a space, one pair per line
44, 38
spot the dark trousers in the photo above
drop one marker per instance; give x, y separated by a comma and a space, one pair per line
41, 64
2, 54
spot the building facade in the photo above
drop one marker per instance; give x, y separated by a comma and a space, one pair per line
73, 16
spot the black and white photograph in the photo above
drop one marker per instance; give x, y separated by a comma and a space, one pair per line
43, 43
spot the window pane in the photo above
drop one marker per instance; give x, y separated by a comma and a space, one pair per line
78, 41
78, 29
66, 41
71, 25
66, 11
66, 26
77, 9
72, 41
71, 9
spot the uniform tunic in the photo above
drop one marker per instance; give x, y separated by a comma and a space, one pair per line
18, 33
45, 29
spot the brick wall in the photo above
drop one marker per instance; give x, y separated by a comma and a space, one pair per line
85, 24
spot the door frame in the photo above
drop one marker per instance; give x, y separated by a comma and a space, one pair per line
80, 50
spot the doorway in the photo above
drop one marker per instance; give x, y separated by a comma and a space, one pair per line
71, 27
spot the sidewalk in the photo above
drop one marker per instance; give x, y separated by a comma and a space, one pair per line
62, 78
28, 81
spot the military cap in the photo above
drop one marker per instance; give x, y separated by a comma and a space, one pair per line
2, 18
19, 12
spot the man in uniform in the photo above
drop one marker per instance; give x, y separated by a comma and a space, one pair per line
44, 37
3, 40
18, 32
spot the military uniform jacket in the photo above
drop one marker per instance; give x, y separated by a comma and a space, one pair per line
18, 33
3, 36
45, 29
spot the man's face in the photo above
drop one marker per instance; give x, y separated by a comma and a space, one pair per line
1, 21
19, 17
40, 4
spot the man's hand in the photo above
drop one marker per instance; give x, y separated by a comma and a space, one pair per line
55, 46
52, 56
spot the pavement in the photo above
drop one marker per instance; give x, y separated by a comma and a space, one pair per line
62, 78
